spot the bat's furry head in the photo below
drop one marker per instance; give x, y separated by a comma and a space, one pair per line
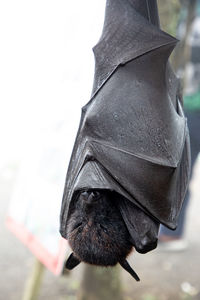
96, 231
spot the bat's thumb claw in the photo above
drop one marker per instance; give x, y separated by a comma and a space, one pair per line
72, 262
125, 265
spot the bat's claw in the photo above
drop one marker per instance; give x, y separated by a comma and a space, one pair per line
125, 265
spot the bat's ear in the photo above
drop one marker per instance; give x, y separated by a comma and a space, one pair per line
72, 262
128, 268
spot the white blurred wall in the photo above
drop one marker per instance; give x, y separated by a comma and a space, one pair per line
46, 67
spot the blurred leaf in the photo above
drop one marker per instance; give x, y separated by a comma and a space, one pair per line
149, 297
169, 14
70, 298
74, 284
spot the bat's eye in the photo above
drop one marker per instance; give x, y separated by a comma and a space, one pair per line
103, 228
90, 197
77, 225
95, 195
84, 195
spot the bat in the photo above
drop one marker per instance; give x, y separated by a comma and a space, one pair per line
130, 163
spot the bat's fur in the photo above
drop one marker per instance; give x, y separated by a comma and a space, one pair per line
97, 233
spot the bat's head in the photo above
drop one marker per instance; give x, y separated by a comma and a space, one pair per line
96, 231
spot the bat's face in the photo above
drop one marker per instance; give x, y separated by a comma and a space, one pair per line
96, 231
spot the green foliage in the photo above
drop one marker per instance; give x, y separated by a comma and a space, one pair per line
169, 14
70, 297
149, 297
74, 284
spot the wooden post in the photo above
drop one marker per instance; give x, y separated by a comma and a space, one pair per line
100, 283
34, 281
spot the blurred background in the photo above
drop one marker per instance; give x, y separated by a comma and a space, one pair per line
46, 75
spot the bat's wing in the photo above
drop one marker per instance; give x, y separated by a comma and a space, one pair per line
133, 137
128, 32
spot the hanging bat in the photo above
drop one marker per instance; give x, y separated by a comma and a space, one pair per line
130, 165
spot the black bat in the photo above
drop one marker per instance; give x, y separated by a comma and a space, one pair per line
132, 146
